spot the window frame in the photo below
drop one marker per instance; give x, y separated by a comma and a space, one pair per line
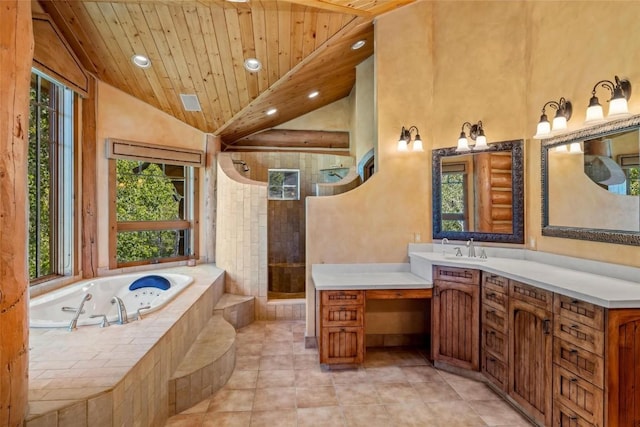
270, 184
191, 224
62, 169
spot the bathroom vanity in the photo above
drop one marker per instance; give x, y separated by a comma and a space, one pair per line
560, 344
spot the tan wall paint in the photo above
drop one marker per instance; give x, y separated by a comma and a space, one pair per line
122, 116
439, 64
332, 117
363, 130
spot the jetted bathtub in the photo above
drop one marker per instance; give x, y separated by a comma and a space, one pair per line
146, 292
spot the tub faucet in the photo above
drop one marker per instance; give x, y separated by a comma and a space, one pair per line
122, 310
472, 249
146, 307
444, 242
74, 322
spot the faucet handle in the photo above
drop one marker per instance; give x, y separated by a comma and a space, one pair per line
458, 251
146, 307
104, 322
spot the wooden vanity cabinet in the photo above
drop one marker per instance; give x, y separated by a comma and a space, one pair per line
494, 329
530, 349
342, 327
455, 322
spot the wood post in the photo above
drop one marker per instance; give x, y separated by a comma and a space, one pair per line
89, 184
16, 54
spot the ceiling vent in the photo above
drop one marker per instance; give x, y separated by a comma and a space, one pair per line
190, 102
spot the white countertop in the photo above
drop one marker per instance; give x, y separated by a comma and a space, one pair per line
366, 276
598, 289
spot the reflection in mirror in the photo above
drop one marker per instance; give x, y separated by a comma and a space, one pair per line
479, 195
593, 193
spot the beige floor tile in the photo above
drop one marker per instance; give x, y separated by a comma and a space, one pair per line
386, 374
277, 348
253, 349
421, 374
305, 361
453, 414
411, 415
199, 408
242, 380
328, 416
231, 400
191, 420
366, 416
274, 398
313, 377
397, 393
473, 390
311, 397
357, 394
247, 363
279, 362
227, 419
275, 378
436, 392
284, 418
498, 413
349, 376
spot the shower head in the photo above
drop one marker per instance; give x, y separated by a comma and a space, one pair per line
245, 168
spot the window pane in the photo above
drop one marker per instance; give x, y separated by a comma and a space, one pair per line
150, 245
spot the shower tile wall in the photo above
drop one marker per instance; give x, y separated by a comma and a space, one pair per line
285, 228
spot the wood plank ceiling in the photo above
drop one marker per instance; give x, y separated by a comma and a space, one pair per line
199, 47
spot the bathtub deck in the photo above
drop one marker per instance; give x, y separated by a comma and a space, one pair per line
99, 375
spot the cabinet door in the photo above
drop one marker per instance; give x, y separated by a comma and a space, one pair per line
455, 324
623, 369
530, 357
342, 345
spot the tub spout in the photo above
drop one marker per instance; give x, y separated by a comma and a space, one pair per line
122, 311
146, 307
104, 322
74, 322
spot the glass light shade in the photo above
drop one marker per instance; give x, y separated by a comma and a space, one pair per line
481, 143
463, 145
562, 148
402, 145
543, 130
618, 106
417, 145
559, 123
575, 147
594, 114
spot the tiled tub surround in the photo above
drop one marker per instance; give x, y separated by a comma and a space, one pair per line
118, 376
603, 284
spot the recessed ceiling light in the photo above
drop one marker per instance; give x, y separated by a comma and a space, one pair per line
271, 111
252, 64
141, 61
357, 45
313, 94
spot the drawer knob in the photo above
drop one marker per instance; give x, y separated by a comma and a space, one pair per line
575, 327
573, 351
574, 301
573, 380
492, 359
491, 295
398, 294
573, 418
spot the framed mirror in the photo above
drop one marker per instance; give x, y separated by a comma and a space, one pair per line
591, 183
479, 195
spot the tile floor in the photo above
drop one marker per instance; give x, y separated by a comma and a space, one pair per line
277, 382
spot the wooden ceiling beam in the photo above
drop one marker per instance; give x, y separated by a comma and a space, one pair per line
331, 7
295, 138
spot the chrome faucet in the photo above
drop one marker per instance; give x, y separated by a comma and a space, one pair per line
104, 323
122, 310
444, 242
472, 249
74, 322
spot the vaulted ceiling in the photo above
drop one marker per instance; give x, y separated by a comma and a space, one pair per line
199, 47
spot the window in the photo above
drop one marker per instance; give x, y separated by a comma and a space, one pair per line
454, 197
284, 184
50, 179
154, 212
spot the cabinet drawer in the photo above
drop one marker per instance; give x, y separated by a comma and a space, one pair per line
342, 345
399, 294
456, 274
565, 417
579, 335
494, 318
579, 395
532, 295
342, 315
495, 299
495, 370
579, 311
495, 283
495, 342
342, 297
581, 362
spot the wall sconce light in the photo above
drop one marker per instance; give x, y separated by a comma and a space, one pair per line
563, 114
405, 139
620, 94
476, 133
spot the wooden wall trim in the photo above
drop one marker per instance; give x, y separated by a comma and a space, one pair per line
88, 185
122, 149
54, 57
295, 139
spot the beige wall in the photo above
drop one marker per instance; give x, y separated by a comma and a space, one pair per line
439, 64
363, 129
122, 116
